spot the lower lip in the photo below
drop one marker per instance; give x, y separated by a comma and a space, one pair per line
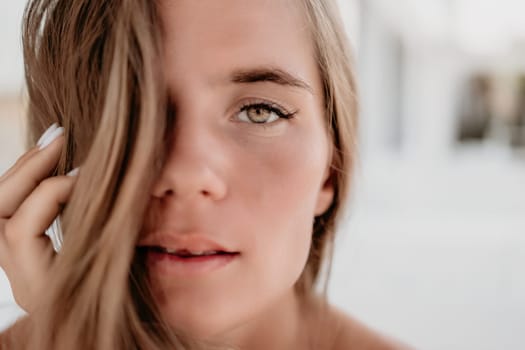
174, 265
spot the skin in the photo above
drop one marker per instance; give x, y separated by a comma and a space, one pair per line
259, 189
29, 201
254, 188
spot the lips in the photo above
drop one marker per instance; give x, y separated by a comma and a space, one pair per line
185, 255
183, 244
188, 253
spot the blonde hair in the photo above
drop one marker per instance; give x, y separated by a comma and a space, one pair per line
90, 67
340, 96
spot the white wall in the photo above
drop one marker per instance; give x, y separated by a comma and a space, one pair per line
11, 65
431, 79
433, 250
11, 81
379, 68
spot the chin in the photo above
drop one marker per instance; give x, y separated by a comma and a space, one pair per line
198, 324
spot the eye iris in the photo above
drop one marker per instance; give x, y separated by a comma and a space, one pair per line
258, 114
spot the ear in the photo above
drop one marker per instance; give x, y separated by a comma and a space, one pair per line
326, 193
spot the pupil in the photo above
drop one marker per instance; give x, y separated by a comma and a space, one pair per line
258, 114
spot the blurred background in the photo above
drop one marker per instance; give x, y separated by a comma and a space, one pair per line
432, 250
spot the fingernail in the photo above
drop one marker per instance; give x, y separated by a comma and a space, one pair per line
73, 172
54, 232
46, 133
51, 137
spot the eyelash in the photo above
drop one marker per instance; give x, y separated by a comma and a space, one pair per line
269, 107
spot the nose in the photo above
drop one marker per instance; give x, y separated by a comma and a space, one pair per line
192, 167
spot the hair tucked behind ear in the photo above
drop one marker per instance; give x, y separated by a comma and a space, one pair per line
90, 67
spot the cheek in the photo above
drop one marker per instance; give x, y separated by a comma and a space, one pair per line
273, 186
277, 193
279, 174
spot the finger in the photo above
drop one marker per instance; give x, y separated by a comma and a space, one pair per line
39, 209
18, 185
27, 155
14, 254
26, 266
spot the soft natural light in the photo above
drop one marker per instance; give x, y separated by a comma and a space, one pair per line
433, 249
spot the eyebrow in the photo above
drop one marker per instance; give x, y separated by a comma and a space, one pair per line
269, 74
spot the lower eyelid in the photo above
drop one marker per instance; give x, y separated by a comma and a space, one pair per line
260, 130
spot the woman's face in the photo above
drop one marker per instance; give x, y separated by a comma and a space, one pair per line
247, 168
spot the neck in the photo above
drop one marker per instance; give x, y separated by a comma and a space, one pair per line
282, 326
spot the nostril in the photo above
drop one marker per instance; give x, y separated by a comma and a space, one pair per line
187, 182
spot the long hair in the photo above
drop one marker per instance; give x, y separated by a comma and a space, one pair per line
335, 63
92, 66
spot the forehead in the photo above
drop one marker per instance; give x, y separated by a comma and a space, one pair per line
211, 37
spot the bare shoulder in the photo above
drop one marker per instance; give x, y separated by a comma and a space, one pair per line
353, 334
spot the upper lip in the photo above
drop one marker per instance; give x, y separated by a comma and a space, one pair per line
180, 242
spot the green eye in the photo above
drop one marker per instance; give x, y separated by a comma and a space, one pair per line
262, 113
258, 115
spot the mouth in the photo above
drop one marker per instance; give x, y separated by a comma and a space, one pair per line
185, 263
188, 254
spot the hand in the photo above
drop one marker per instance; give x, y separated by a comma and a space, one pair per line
29, 202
